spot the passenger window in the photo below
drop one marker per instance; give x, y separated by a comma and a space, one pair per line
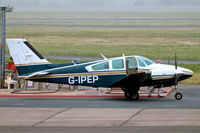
118, 64
141, 63
101, 66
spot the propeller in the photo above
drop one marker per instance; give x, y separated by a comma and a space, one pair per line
175, 62
176, 76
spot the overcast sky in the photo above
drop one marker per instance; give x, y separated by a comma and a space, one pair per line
105, 5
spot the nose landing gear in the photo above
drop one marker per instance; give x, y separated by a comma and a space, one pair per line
178, 94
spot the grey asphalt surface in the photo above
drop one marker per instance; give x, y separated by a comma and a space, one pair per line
99, 19
191, 98
141, 129
110, 26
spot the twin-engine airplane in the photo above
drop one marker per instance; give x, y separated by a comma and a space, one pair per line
127, 72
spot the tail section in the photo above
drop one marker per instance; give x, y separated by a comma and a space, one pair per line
27, 60
23, 53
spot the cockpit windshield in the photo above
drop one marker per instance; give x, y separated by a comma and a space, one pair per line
146, 60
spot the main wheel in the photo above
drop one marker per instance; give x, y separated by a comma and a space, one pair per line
178, 96
134, 96
131, 93
131, 96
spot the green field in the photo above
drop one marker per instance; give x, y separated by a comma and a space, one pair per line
156, 43
73, 41
152, 43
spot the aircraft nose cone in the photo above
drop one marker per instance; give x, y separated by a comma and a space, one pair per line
186, 72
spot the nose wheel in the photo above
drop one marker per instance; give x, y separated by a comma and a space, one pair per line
178, 96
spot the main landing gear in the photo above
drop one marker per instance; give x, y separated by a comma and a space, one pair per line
131, 93
131, 96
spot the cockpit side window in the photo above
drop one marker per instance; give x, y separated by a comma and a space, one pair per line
141, 62
101, 66
146, 60
118, 64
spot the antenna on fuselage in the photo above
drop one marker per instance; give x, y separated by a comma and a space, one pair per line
75, 61
103, 56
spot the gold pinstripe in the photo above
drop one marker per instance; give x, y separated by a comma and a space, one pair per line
163, 77
188, 73
74, 75
78, 74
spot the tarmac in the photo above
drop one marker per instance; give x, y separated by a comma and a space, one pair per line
94, 117
39, 117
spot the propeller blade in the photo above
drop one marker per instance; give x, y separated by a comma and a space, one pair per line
175, 61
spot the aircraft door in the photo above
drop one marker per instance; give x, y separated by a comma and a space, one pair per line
131, 65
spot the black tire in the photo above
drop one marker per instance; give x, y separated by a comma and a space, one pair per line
134, 96
131, 93
178, 96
